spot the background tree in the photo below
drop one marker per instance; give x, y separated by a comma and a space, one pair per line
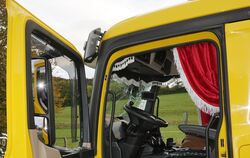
59, 93
3, 46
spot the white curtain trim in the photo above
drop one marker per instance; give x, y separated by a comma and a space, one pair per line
123, 64
170, 83
134, 82
201, 104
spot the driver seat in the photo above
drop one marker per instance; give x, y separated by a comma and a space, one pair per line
201, 134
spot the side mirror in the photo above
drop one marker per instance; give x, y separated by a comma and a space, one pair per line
42, 126
40, 86
92, 45
43, 106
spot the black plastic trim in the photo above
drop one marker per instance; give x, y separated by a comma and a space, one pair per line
51, 114
84, 109
219, 33
226, 96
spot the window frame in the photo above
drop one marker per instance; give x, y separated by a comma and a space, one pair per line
34, 28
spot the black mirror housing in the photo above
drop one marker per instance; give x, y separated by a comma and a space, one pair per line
92, 45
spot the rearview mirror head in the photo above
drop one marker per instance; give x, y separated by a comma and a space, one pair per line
41, 123
40, 86
92, 45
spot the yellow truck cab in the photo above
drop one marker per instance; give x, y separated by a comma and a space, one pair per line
189, 59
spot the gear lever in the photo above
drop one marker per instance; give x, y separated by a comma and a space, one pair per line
170, 143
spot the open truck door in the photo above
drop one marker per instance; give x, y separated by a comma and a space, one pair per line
144, 53
46, 91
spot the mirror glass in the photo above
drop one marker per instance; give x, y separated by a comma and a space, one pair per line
41, 123
42, 127
66, 99
40, 84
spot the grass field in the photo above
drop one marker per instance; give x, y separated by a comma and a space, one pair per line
172, 109
63, 128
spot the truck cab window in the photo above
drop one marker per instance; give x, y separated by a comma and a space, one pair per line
157, 110
65, 96
56, 96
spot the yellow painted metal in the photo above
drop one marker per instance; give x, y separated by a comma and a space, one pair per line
17, 127
188, 10
238, 55
145, 47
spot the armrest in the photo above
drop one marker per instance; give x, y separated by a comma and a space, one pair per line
196, 130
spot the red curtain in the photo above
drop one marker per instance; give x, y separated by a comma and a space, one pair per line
200, 70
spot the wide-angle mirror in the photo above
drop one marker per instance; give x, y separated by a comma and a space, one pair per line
40, 83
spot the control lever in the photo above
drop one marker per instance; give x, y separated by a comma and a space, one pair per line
170, 143
158, 144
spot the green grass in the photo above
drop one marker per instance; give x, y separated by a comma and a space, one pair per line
172, 109
63, 128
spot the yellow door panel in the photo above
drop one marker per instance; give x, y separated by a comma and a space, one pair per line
238, 55
17, 125
17, 112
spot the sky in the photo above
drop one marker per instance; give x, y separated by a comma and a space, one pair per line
76, 18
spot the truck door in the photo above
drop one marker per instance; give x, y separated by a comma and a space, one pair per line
110, 61
237, 42
46, 89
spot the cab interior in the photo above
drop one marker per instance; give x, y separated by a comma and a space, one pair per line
133, 122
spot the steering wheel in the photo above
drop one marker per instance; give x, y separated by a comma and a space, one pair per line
142, 118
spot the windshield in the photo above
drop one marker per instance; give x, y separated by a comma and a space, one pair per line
126, 91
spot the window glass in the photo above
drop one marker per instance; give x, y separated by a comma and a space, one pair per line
177, 108
89, 78
157, 104
51, 68
66, 95
121, 91
125, 93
